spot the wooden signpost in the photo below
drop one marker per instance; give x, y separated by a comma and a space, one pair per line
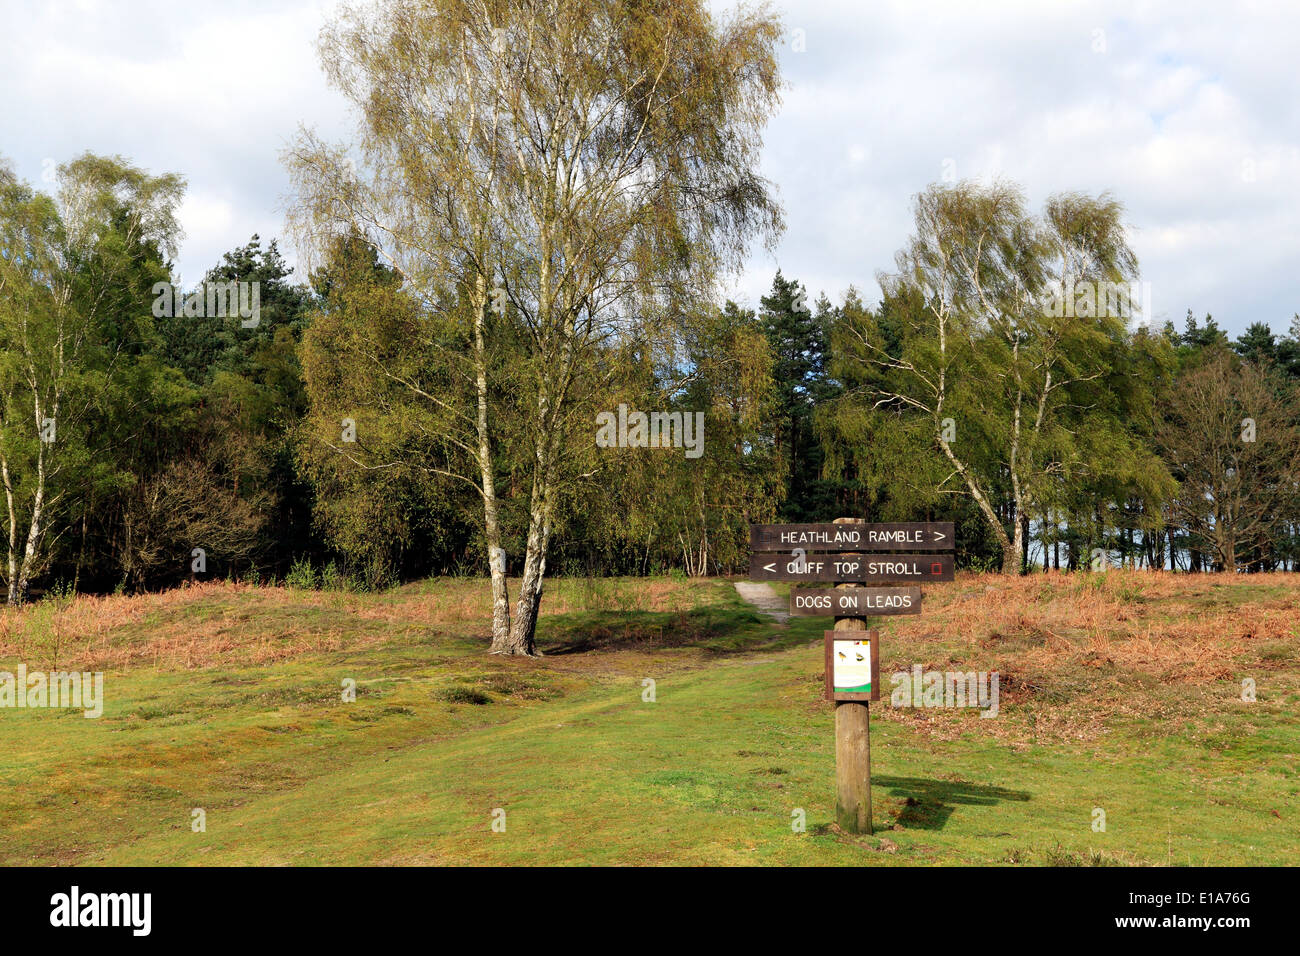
851, 568
844, 553
853, 536
848, 601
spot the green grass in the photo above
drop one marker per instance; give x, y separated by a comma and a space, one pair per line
735, 745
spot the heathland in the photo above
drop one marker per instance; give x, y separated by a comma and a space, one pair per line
1125, 692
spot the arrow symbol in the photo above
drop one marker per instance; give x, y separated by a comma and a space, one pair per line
939, 536
770, 567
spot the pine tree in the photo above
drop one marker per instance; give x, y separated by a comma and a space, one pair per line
797, 338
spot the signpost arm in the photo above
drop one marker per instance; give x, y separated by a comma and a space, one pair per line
853, 744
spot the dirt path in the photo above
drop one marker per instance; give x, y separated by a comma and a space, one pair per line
764, 598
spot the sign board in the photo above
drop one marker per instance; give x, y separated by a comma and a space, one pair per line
854, 602
851, 568
858, 536
852, 665
848, 552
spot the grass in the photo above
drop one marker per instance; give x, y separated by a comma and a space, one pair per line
1120, 691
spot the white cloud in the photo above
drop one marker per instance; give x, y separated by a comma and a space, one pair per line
1186, 102
1189, 115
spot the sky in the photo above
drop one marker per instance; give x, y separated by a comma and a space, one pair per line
1189, 113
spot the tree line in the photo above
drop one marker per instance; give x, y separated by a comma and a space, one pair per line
508, 253
1167, 448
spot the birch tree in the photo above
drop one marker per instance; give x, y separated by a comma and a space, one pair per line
61, 261
987, 364
544, 174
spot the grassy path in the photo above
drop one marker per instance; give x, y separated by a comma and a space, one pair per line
765, 598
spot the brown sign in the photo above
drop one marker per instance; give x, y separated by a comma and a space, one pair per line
858, 536
853, 568
852, 665
854, 602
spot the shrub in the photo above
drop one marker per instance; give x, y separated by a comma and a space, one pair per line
332, 578
302, 575
463, 695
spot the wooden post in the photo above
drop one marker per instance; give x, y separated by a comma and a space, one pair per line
853, 745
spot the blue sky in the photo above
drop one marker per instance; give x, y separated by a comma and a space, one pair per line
1188, 112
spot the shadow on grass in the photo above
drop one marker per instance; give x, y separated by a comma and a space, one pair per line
719, 630
927, 804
